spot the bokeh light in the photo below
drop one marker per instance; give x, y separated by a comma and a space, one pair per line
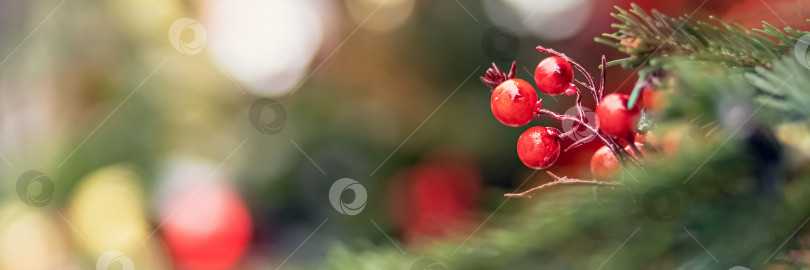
266, 45
545, 19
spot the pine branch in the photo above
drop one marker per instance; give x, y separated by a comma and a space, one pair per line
646, 37
783, 87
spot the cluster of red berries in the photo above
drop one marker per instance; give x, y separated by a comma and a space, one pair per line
515, 103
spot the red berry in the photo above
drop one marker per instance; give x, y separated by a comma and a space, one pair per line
614, 118
539, 147
605, 166
648, 98
514, 102
571, 90
654, 100
553, 75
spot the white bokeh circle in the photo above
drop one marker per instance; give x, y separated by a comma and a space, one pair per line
267, 45
546, 19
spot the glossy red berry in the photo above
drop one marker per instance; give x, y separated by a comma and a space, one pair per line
539, 147
571, 90
514, 102
613, 117
553, 75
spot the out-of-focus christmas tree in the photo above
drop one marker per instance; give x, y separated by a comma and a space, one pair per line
726, 186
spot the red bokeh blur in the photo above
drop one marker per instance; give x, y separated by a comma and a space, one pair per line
436, 198
209, 231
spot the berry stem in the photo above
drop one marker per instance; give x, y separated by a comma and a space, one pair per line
603, 79
614, 146
563, 181
581, 114
632, 139
597, 96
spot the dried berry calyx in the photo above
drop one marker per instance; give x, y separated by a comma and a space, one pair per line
494, 76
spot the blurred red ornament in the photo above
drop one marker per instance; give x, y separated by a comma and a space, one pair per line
436, 198
209, 229
673, 8
779, 13
749, 13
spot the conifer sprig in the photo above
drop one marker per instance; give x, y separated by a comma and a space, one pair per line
648, 36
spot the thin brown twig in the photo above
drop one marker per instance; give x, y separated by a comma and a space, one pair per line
603, 78
632, 143
563, 181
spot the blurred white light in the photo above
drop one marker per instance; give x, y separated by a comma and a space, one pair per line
30, 239
182, 174
266, 45
545, 19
